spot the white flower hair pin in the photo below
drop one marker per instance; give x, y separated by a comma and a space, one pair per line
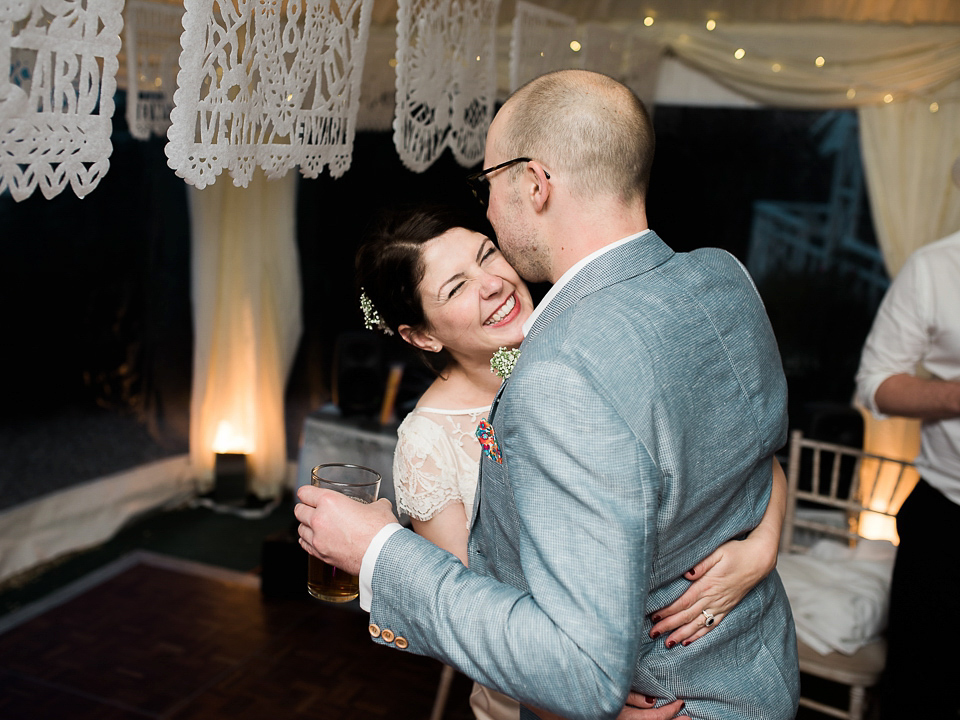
503, 361
371, 318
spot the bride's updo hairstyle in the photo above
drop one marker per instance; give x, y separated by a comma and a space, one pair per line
390, 266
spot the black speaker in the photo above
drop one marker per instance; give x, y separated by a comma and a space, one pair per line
283, 566
359, 373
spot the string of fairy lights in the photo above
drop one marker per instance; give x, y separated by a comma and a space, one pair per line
856, 87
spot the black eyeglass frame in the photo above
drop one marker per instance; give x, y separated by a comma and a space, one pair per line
477, 179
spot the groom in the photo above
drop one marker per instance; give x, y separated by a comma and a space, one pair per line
635, 435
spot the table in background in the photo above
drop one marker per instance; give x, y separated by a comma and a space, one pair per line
328, 438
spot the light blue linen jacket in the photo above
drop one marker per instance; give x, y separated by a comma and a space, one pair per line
636, 434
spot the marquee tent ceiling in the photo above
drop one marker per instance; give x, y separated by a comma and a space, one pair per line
881, 11
627, 14
909, 12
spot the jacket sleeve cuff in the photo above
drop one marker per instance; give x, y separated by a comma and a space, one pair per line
369, 562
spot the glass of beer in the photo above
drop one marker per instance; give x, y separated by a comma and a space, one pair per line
326, 582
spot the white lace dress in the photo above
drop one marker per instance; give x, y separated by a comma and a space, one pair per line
437, 462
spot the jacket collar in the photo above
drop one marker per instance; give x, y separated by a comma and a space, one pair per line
625, 261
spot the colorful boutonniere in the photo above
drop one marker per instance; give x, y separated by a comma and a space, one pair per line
503, 361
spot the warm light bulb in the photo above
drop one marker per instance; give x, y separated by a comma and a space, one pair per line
392, 62
934, 106
851, 94
575, 46
888, 98
648, 21
776, 67
876, 526
740, 53
819, 61
711, 24
229, 439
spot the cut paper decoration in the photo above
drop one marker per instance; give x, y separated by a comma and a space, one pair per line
56, 101
540, 43
446, 79
151, 39
270, 84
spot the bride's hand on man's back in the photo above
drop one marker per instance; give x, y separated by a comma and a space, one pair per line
725, 576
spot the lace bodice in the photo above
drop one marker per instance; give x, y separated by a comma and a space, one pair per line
437, 460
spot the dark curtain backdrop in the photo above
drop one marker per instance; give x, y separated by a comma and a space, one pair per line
95, 292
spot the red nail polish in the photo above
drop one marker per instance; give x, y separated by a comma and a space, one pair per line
656, 618
670, 644
654, 635
649, 699
686, 642
692, 572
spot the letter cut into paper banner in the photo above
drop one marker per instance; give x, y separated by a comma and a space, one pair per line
268, 83
446, 79
151, 39
540, 43
59, 60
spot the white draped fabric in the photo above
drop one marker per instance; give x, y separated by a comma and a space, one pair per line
151, 38
446, 79
697, 11
860, 65
908, 153
267, 84
56, 93
247, 323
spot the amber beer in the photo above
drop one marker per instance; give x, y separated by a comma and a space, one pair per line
359, 483
326, 582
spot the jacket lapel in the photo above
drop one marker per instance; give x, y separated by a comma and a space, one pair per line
625, 261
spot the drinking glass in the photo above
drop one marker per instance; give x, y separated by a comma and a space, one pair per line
362, 484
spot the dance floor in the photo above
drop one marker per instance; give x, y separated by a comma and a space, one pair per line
151, 636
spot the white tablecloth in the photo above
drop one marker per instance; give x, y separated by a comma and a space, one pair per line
329, 438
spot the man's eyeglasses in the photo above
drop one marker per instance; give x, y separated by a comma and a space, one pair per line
480, 185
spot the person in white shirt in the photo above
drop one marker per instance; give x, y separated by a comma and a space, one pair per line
910, 367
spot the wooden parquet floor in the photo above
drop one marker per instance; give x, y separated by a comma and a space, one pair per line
156, 640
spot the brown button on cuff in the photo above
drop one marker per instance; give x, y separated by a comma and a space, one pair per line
374, 630
402, 643
387, 635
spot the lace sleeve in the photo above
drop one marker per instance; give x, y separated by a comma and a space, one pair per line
424, 468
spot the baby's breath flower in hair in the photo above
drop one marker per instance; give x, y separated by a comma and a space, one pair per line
503, 360
371, 318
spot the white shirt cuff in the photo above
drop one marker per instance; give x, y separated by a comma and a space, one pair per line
369, 562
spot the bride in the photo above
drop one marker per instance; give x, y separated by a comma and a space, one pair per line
446, 289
